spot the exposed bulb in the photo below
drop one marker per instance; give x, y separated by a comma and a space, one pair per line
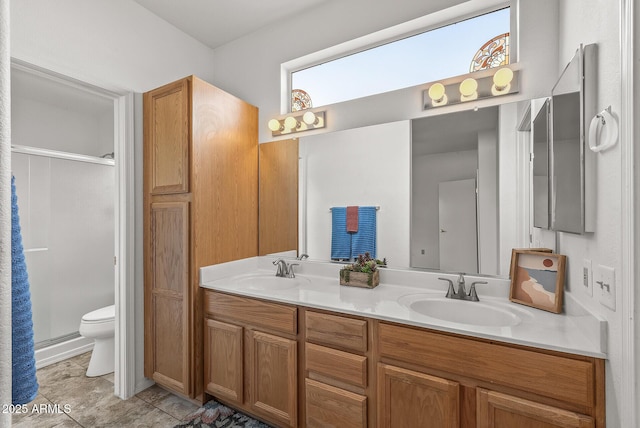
274, 125
468, 87
310, 118
502, 78
436, 92
290, 123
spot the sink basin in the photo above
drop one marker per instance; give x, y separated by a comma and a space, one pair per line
464, 312
268, 282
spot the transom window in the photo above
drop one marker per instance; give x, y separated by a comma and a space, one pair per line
470, 45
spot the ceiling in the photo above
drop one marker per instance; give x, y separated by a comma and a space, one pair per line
217, 22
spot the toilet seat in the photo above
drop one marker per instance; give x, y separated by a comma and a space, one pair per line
105, 314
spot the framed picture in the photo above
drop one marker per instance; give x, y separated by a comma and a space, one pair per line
537, 279
526, 250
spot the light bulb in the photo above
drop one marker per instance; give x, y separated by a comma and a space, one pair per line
502, 78
310, 118
436, 92
468, 87
274, 125
290, 122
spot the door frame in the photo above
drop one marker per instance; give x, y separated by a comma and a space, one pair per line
124, 208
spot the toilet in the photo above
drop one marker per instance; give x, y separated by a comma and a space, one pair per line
100, 326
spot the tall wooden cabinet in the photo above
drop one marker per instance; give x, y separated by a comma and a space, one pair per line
200, 208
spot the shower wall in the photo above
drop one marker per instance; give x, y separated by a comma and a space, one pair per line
66, 199
66, 215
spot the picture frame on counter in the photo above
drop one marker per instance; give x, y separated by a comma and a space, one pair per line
537, 279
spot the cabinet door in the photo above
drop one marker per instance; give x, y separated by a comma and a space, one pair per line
223, 360
328, 406
496, 410
410, 399
167, 137
167, 339
274, 376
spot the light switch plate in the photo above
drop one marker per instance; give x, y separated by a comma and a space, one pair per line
606, 286
587, 277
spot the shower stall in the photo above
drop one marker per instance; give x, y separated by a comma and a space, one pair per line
62, 159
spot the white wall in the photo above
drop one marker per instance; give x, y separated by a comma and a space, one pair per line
428, 171
597, 21
250, 67
488, 202
364, 166
118, 45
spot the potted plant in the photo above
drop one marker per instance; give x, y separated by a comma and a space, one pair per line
363, 273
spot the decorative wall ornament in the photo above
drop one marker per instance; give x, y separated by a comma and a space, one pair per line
494, 53
300, 100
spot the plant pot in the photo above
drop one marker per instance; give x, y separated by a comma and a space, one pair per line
359, 279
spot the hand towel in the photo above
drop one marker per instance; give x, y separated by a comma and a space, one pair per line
352, 219
364, 241
340, 239
24, 382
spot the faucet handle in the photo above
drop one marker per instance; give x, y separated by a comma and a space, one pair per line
473, 294
450, 291
290, 272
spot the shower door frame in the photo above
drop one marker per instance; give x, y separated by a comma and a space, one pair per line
124, 104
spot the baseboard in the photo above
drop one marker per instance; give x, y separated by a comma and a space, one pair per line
143, 384
62, 351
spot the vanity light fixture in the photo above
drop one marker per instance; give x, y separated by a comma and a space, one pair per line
473, 86
297, 122
275, 125
291, 123
437, 94
502, 81
468, 89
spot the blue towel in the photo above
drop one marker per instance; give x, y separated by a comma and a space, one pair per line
340, 239
364, 241
24, 382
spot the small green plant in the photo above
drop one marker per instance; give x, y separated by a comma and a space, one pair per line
364, 263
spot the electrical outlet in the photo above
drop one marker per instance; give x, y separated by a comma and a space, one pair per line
606, 285
587, 277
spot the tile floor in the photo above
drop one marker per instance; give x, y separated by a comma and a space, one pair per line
90, 401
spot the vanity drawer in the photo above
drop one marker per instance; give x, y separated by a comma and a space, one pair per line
339, 365
251, 311
570, 380
331, 406
335, 330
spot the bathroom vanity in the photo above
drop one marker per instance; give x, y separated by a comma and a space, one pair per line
306, 351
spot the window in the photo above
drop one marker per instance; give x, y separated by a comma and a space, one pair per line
470, 45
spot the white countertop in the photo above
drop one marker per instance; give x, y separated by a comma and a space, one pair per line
317, 286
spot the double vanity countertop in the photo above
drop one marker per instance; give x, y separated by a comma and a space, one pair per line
416, 298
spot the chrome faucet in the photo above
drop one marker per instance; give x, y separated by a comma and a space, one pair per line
303, 256
285, 270
461, 293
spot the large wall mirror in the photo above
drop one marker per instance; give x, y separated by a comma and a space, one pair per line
436, 181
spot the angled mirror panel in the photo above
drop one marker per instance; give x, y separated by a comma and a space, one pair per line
572, 174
